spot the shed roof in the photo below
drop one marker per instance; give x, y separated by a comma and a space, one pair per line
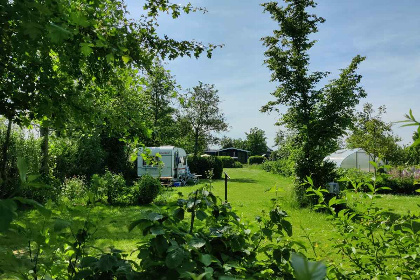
232, 148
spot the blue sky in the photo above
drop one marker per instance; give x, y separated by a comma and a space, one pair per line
386, 32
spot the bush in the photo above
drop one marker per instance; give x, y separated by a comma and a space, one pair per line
148, 189
400, 180
227, 161
74, 191
111, 187
281, 166
200, 165
237, 164
256, 159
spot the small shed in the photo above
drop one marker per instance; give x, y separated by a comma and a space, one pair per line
239, 154
352, 158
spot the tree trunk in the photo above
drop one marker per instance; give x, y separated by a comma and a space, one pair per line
4, 161
196, 143
44, 171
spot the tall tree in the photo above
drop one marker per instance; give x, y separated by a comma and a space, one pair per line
373, 135
161, 89
201, 112
256, 141
319, 115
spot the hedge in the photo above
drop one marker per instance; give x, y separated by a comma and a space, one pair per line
227, 161
256, 159
200, 165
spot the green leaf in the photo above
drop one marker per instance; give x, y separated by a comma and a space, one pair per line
309, 180
33, 177
23, 168
61, 224
206, 259
110, 58
157, 230
306, 270
416, 143
7, 213
126, 58
197, 242
201, 215
175, 257
79, 19
332, 201
58, 34
137, 223
160, 244
179, 214
106, 262
287, 226
86, 49
152, 216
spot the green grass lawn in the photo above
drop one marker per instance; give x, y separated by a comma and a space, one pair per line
246, 193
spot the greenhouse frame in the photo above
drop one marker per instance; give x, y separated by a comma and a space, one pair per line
352, 158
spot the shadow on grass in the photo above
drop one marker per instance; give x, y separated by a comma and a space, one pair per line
243, 180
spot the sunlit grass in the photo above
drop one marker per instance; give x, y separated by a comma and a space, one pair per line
247, 193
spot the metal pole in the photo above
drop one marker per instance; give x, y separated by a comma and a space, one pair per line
226, 187
226, 180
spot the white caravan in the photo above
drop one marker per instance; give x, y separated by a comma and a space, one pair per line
172, 163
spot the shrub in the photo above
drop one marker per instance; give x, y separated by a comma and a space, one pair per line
148, 189
256, 159
353, 175
281, 166
211, 241
74, 191
227, 161
400, 180
109, 186
237, 164
200, 165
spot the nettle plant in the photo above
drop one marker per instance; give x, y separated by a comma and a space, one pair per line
201, 237
377, 245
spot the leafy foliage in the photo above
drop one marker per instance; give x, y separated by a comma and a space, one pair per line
110, 187
227, 161
213, 242
256, 159
373, 135
227, 142
319, 116
161, 89
200, 110
148, 189
256, 142
281, 166
376, 244
200, 166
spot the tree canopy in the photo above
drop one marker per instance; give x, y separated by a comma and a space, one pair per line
256, 141
319, 115
372, 134
200, 110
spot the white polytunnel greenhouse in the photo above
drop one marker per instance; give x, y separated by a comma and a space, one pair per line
351, 158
